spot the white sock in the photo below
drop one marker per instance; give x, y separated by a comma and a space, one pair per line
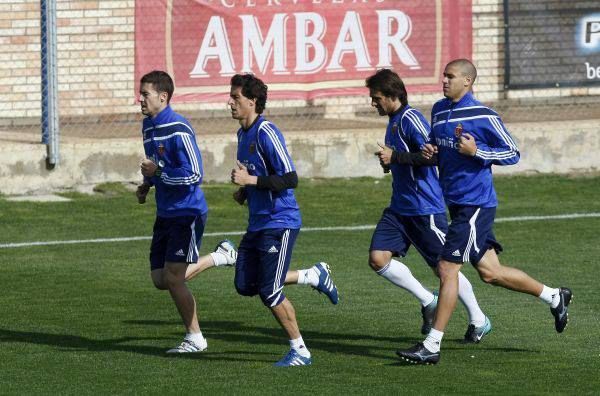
308, 277
467, 298
196, 338
433, 340
550, 296
218, 258
400, 275
299, 346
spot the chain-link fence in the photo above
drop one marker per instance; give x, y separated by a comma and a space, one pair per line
100, 56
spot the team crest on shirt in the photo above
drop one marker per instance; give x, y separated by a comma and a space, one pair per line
458, 130
252, 148
161, 149
395, 128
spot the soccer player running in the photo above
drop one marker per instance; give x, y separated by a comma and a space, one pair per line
173, 165
416, 215
469, 138
267, 178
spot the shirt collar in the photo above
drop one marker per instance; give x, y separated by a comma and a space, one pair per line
467, 98
164, 115
400, 110
256, 120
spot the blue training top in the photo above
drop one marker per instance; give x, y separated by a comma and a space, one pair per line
468, 180
170, 141
261, 148
416, 189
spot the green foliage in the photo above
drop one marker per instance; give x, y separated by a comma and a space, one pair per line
85, 318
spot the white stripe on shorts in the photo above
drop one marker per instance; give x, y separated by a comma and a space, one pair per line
472, 237
277, 287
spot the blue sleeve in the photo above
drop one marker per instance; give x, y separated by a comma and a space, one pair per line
186, 163
273, 149
417, 130
431, 139
147, 180
499, 147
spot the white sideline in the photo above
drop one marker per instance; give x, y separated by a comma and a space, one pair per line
305, 229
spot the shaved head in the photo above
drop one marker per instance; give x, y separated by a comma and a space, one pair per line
459, 76
466, 68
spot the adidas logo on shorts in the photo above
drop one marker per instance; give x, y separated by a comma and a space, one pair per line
273, 249
179, 253
456, 253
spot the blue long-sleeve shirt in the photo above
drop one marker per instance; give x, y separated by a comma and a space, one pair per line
468, 180
416, 189
170, 141
262, 149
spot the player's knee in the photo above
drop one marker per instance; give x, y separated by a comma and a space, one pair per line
158, 279
378, 260
243, 289
159, 284
488, 276
172, 279
270, 300
446, 270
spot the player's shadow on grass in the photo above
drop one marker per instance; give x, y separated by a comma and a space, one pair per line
349, 344
239, 332
69, 343
381, 347
368, 345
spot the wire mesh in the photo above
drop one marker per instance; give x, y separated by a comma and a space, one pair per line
97, 81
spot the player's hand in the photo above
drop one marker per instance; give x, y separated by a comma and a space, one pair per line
385, 155
148, 167
466, 145
142, 192
428, 151
239, 195
240, 175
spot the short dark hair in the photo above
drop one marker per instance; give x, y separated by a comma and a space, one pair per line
389, 84
252, 88
161, 81
466, 67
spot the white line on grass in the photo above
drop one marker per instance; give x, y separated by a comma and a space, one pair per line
305, 229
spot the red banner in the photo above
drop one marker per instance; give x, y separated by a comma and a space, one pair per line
300, 48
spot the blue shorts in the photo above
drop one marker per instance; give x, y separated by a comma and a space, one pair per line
263, 261
395, 233
176, 239
470, 234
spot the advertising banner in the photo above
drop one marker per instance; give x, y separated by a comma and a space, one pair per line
301, 49
552, 43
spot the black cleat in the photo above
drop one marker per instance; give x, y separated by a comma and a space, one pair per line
418, 354
474, 335
561, 312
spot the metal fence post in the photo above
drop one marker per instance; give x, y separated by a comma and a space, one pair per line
50, 124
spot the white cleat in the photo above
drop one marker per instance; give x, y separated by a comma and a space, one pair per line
189, 346
227, 249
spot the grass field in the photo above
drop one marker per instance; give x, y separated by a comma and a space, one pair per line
85, 319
